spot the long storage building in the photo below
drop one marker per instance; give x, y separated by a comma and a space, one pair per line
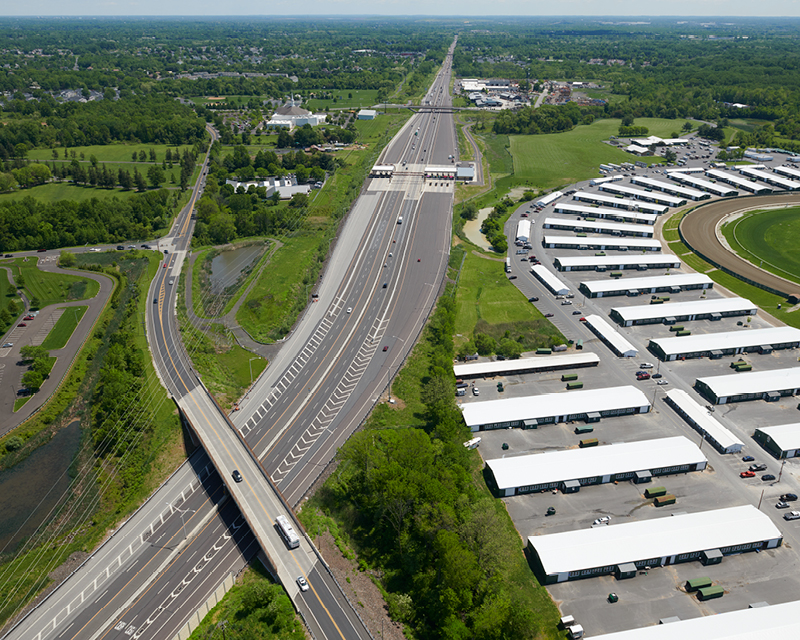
623, 215
705, 185
770, 178
726, 343
622, 549
703, 422
667, 187
549, 280
532, 411
673, 312
550, 197
782, 441
610, 336
601, 244
653, 284
617, 263
536, 364
742, 184
639, 194
623, 203
776, 621
572, 469
524, 231
588, 226
755, 385
789, 172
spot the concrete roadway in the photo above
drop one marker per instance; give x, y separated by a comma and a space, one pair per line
700, 230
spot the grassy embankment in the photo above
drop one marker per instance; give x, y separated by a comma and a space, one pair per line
62, 331
50, 288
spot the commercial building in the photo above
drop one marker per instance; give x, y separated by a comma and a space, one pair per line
712, 187
465, 172
621, 203
550, 197
750, 154
636, 150
738, 182
699, 418
612, 214
610, 336
532, 411
653, 284
290, 116
523, 231
617, 263
647, 196
575, 468
769, 178
673, 312
549, 280
667, 187
782, 441
754, 385
776, 621
587, 226
366, 114
285, 186
536, 364
622, 549
727, 343
600, 244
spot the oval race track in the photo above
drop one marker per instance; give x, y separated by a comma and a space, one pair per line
698, 229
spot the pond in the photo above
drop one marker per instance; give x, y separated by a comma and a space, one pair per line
229, 265
32, 488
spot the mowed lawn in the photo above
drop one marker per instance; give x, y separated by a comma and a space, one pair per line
771, 236
108, 152
51, 288
557, 159
55, 191
62, 331
360, 98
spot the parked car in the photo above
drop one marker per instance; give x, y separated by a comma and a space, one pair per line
747, 474
533, 299
789, 497
759, 466
22, 324
781, 505
792, 515
748, 459
642, 376
646, 365
662, 382
602, 520
512, 277
386, 347
549, 315
656, 376
28, 317
564, 302
767, 477
475, 391
576, 312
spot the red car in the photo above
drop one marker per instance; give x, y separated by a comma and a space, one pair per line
549, 315
28, 318
386, 348
22, 324
747, 474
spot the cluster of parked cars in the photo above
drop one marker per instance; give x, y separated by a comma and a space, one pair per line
755, 468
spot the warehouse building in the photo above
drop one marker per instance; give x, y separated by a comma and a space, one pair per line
727, 343
524, 231
667, 187
601, 244
754, 385
536, 364
776, 621
673, 312
623, 549
782, 441
789, 172
549, 280
622, 215
653, 284
701, 420
532, 411
596, 181
621, 203
738, 182
588, 226
550, 197
769, 178
570, 470
647, 196
610, 336
366, 114
617, 263
705, 185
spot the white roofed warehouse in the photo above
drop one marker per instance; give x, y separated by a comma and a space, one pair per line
549, 280
575, 468
653, 284
589, 226
782, 441
703, 422
610, 336
673, 312
601, 244
613, 263
658, 542
536, 364
523, 231
727, 343
755, 385
531, 411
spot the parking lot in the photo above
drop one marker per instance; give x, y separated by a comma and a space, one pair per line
768, 576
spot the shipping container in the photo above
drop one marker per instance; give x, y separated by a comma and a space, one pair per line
654, 492
683, 333
698, 583
569, 377
616, 274
664, 500
543, 351
676, 327
582, 430
574, 385
588, 442
709, 593
744, 367
579, 344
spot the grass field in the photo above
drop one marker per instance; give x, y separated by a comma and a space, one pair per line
108, 152
20, 402
552, 160
60, 334
55, 191
361, 98
768, 239
51, 288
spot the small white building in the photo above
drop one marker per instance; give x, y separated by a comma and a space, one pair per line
549, 280
550, 197
366, 114
611, 337
703, 422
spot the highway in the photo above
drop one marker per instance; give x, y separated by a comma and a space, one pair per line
326, 378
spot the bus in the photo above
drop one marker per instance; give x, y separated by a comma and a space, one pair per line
508, 265
287, 532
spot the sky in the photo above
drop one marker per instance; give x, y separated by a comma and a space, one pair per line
449, 8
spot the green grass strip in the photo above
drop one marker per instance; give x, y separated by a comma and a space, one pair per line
60, 334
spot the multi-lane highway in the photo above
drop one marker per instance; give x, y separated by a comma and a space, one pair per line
379, 287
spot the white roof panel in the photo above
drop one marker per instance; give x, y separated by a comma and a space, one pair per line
728, 340
664, 536
550, 197
600, 212
620, 202
599, 227
523, 229
549, 279
731, 178
693, 307
500, 367
640, 243
769, 178
612, 336
675, 280
590, 261
552, 404
685, 178
628, 191
753, 382
786, 436
705, 421
667, 186
788, 171
572, 464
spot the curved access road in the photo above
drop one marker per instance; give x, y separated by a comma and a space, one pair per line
699, 232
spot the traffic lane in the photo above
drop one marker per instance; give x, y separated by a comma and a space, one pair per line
323, 597
137, 571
